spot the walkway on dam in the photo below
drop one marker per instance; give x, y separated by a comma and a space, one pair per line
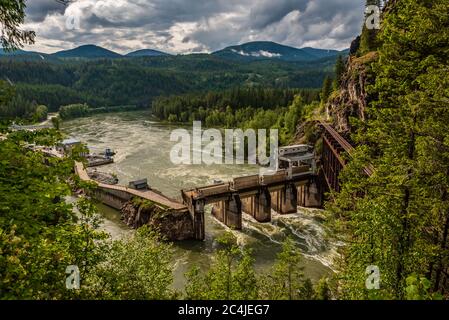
150, 195
247, 184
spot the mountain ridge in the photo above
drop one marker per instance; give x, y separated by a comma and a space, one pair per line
250, 51
146, 53
87, 51
260, 50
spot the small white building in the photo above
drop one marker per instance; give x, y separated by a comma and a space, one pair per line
295, 156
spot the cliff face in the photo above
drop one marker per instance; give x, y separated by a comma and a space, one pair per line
174, 226
351, 98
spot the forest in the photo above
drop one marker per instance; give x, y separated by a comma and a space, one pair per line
397, 219
15, 106
245, 108
105, 83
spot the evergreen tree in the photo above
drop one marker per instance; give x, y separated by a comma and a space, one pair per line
307, 292
368, 39
339, 71
326, 90
285, 280
12, 15
397, 219
40, 234
6, 92
138, 268
322, 290
231, 277
293, 115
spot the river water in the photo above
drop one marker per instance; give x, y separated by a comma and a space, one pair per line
143, 151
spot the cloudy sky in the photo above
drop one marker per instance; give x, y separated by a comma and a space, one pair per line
185, 26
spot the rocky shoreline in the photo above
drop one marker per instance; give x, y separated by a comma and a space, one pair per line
172, 225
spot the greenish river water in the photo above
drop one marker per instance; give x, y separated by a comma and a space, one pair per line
143, 151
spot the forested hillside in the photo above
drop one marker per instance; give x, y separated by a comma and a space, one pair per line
392, 103
186, 106
137, 81
255, 108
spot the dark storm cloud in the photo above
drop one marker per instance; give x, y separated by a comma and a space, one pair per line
37, 10
160, 14
192, 25
268, 12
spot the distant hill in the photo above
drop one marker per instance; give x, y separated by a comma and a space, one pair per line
69, 77
25, 55
82, 52
16, 52
321, 53
3, 52
87, 52
146, 53
264, 50
248, 52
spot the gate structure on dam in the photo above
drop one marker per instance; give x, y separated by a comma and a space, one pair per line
302, 180
292, 185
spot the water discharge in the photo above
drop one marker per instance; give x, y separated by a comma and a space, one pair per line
143, 151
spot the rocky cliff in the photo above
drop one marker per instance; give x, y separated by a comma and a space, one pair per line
351, 99
347, 102
172, 225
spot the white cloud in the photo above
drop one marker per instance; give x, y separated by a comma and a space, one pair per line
258, 54
267, 54
183, 26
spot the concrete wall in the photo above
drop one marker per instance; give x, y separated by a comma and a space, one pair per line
229, 212
112, 198
285, 201
233, 212
258, 206
218, 211
310, 195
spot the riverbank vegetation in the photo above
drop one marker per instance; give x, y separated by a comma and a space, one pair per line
14, 106
190, 107
74, 111
246, 108
232, 276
